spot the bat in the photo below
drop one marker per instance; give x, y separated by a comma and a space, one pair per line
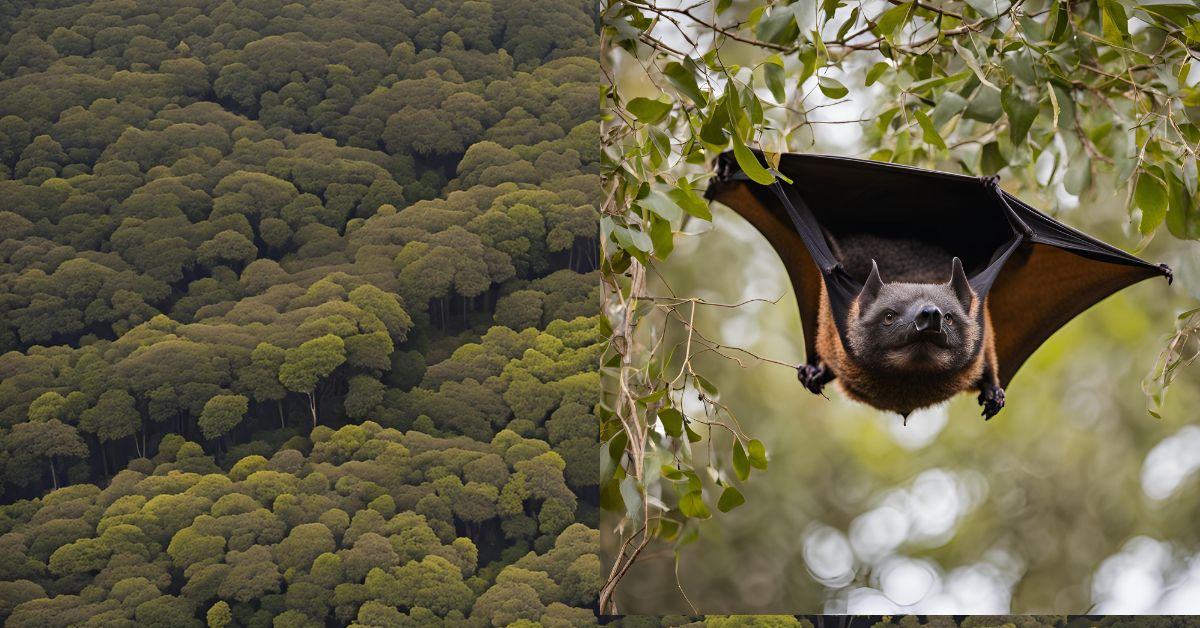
915, 285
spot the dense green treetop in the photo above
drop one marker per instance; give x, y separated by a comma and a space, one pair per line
296, 300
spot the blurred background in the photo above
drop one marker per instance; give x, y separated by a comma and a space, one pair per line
1074, 499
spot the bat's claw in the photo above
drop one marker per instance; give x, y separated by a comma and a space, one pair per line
991, 397
812, 376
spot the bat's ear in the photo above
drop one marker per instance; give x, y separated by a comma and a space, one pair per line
960, 285
874, 284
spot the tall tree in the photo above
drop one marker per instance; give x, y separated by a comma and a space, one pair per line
305, 366
52, 440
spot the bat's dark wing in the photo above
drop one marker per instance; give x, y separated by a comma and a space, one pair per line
1036, 272
1057, 274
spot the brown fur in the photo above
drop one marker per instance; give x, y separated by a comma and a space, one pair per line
901, 392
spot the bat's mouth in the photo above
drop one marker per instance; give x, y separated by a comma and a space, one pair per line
927, 340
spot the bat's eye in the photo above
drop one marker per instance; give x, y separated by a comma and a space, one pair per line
948, 319
889, 318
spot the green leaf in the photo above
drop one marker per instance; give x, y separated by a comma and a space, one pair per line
689, 201
706, 386
693, 437
1183, 217
758, 454
847, 25
672, 421
660, 146
662, 236
927, 85
741, 462
753, 106
730, 498
1020, 65
780, 26
892, 20
692, 505
928, 133
633, 241
991, 160
989, 8
713, 130
652, 397
1021, 114
808, 63
985, 106
662, 205
616, 446
671, 473
968, 58
876, 71
1114, 22
749, 163
831, 87
948, 106
610, 496
773, 73
631, 494
1062, 20
1150, 196
1079, 174
648, 111
667, 528
684, 80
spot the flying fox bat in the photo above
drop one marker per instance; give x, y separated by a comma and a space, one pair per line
915, 285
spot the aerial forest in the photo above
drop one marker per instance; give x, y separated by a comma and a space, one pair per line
298, 313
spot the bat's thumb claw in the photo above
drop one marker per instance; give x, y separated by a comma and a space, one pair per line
1170, 274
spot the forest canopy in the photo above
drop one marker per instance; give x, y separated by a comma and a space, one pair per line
298, 313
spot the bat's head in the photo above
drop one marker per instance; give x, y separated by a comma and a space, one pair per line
915, 326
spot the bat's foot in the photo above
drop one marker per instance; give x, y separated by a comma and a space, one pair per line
813, 376
991, 397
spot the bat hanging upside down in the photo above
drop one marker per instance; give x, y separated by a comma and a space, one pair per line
916, 285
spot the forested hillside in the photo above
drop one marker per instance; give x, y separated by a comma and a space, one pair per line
297, 312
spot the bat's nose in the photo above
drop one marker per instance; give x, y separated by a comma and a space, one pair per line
929, 319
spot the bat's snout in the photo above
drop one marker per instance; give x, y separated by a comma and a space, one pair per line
929, 319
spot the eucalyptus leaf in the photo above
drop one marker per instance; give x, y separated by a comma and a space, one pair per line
831, 87
684, 80
875, 72
989, 8
741, 462
894, 19
662, 205
1150, 196
662, 237
949, 105
749, 163
692, 505
631, 493
610, 496
758, 454
689, 201
928, 133
773, 74
1021, 114
648, 111
672, 421
730, 498
985, 105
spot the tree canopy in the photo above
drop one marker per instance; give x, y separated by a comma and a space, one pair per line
257, 262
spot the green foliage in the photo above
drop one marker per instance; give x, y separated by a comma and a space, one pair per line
305, 365
221, 414
223, 220
1068, 100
